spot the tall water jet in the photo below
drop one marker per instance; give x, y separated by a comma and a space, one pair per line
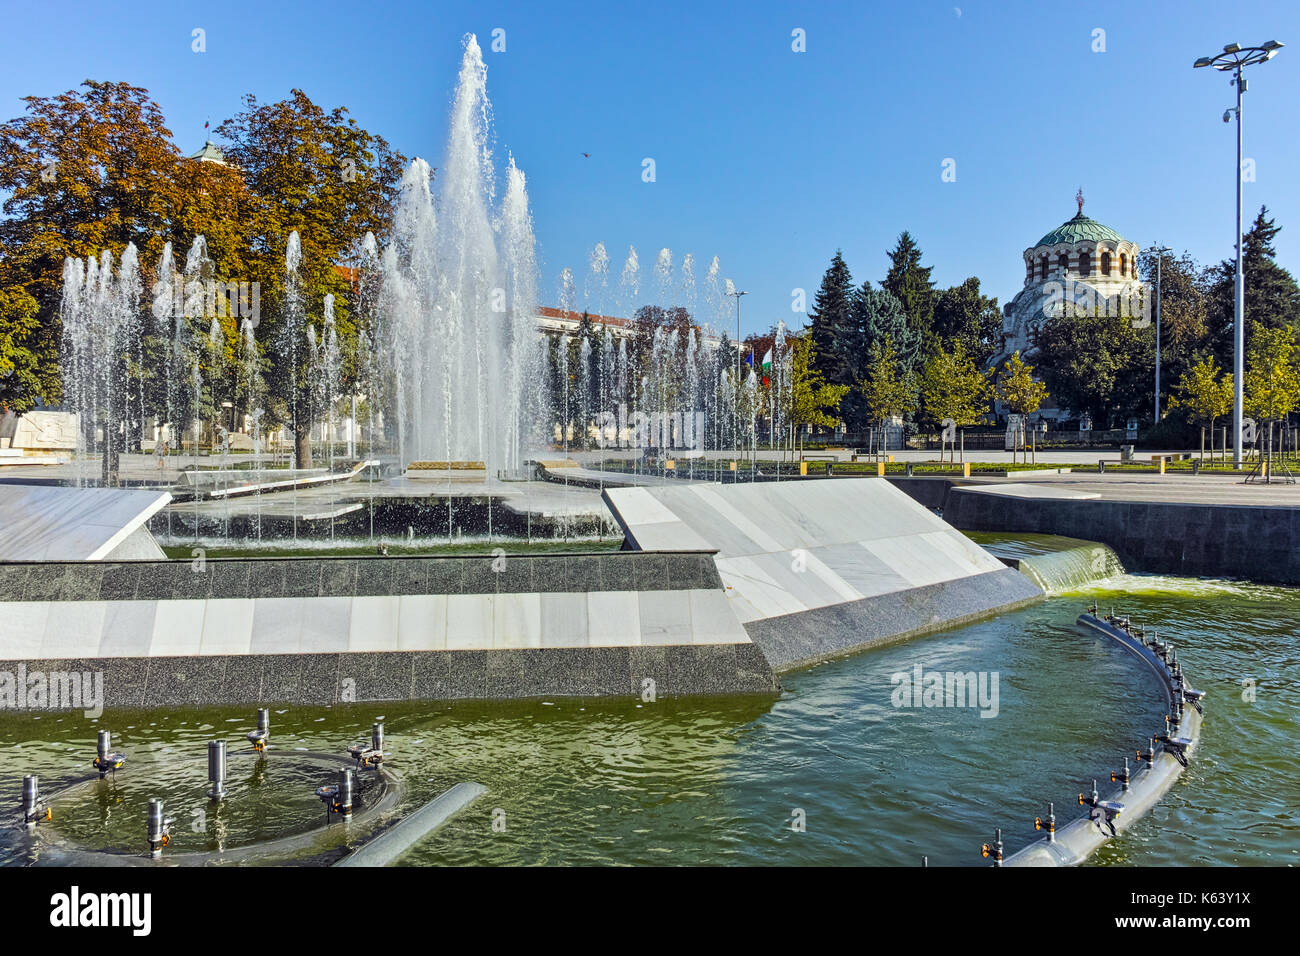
629, 282
292, 325
100, 311
456, 313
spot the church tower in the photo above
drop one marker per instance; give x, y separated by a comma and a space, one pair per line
1079, 268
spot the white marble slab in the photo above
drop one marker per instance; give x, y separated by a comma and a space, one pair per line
469, 621
277, 625
563, 619
665, 617
73, 628
128, 629
787, 547
22, 628
326, 625
50, 523
374, 623
516, 620
712, 620
227, 626
177, 629
1025, 489
613, 618
422, 622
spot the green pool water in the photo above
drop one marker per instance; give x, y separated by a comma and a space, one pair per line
720, 781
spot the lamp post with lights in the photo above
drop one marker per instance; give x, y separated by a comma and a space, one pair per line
1234, 59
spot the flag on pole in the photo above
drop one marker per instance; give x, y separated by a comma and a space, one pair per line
767, 367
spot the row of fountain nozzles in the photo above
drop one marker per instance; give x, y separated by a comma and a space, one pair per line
338, 797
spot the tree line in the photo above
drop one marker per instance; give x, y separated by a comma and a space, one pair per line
903, 348
97, 168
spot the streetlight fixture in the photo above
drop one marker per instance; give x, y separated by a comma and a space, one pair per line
1160, 253
737, 293
1234, 59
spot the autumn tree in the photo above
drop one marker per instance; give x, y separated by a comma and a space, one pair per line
83, 171
320, 174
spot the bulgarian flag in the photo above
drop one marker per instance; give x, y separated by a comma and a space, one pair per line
767, 368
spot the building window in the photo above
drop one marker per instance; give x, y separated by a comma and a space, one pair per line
1105, 263
1085, 263
1063, 263
1123, 264
1042, 267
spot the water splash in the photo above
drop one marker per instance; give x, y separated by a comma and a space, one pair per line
456, 313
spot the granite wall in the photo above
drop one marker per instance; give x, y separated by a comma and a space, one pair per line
796, 640
303, 630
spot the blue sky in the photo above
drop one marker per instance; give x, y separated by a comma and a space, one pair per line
768, 158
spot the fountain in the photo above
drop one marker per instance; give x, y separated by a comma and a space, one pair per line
459, 295
101, 338
448, 370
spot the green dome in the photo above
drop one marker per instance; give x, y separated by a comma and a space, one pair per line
1080, 229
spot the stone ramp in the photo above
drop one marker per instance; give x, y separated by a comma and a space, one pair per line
816, 568
53, 523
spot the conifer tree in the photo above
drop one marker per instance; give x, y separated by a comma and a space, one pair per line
833, 323
909, 282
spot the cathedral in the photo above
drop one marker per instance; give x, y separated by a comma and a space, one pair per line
1080, 266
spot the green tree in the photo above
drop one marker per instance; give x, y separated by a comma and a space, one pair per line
1100, 364
21, 370
879, 315
1272, 377
909, 282
1271, 294
889, 386
1184, 325
1017, 388
833, 325
963, 316
954, 386
1204, 393
813, 401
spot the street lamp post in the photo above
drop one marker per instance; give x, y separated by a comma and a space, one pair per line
737, 293
1234, 59
1160, 252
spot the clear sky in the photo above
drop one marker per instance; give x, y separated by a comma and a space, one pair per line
769, 158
